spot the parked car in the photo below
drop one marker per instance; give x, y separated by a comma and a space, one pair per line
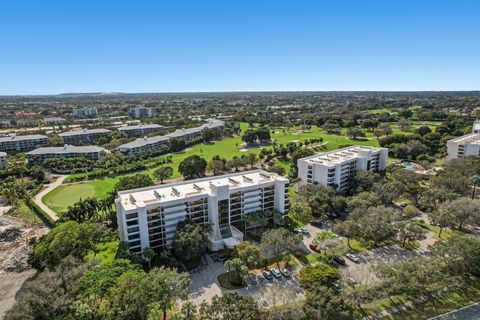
337, 287
267, 275
314, 246
339, 260
304, 231
317, 223
297, 231
285, 273
351, 281
352, 257
276, 273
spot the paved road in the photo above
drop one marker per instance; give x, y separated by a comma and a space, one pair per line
49, 187
471, 312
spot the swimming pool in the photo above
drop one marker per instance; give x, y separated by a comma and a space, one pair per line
407, 165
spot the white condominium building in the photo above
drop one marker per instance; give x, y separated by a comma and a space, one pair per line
85, 112
476, 127
335, 168
139, 112
14, 143
145, 144
187, 135
148, 217
140, 130
84, 136
468, 145
3, 160
89, 152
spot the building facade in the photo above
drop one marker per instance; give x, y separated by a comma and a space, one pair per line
148, 217
476, 127
464, 146
14, 143
141, 112
39, 155
54, 120
335, 168
84, 136
145, 144
3, 160
85, 112
140, 130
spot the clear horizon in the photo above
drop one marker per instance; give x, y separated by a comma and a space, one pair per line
52, 47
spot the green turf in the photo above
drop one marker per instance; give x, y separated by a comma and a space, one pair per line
60, 198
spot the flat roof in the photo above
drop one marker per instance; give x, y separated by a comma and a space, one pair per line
140, 142
66, 149
3, 154
141, 126
83, 131
472, 138
340, 155
186, 189
22, 138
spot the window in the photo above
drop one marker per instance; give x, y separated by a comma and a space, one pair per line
223, 212
131, 215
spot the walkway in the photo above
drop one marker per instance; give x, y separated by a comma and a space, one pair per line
49, 187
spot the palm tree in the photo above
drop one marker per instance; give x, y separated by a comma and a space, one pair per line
475, 180
148, 255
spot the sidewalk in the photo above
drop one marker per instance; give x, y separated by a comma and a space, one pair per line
49, 187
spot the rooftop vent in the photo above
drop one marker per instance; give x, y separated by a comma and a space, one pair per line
175, 192
132, 199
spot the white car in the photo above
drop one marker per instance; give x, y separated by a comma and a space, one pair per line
276, 273
352, 257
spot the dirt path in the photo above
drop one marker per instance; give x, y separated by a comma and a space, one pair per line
49, 187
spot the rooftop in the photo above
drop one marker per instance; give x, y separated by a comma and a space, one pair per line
185, 189
140, 142
340, 155
83, 131
182, 132
66, 149
3, 154
473, 138
141, 126
14, 137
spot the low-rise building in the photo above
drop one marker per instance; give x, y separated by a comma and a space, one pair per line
3, 160
39, 155
14, 143
54, 121
476, 126
213, 124
85, 112
141, 129
145, 144
188, 135
148, 217
140, 112
464, 146
335, 168
84, 136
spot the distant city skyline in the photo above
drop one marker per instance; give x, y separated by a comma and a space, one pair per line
53, 47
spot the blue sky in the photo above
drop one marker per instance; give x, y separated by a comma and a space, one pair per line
49, 47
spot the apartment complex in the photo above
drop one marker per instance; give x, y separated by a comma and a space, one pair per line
148, 217
188, 135
464, 146
140, 112
54, 120
14, 143
476, 127
84, 136
145, 144
39, 155
335, 168
140, 130
3, 160
85, 112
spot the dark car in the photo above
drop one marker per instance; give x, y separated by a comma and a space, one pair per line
339, 260
267, 275
317, 223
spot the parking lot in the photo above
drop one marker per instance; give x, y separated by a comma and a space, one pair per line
277, 291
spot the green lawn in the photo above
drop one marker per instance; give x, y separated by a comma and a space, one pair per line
60, 198
64, 196
106, 251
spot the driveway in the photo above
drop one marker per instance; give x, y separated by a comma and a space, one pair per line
205, 286
37, 199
